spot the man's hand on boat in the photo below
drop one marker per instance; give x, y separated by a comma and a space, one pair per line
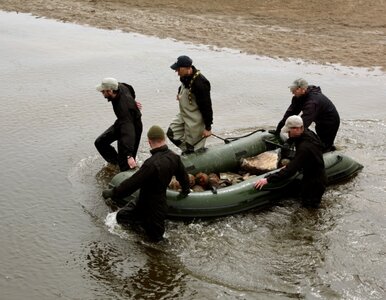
274, 132
183, 194
260, 183
108, 193
277, 136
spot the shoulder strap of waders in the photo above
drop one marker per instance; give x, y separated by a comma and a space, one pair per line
191, 84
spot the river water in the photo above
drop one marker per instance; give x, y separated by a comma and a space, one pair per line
58, 238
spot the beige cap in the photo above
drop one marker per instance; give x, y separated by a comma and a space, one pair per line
291, 122
107, 84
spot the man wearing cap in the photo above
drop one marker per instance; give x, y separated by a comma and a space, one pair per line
126, 130
308, 160
153, 178
193, 124
315, 107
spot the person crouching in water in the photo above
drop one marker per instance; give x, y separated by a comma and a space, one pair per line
149, 210
308, 160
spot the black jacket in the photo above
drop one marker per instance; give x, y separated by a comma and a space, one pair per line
316, 107
128, 123
308, 160
124, 105
153, 179
201, 90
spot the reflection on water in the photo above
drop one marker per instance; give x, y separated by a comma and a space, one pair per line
52, 211
277, 249
158, 277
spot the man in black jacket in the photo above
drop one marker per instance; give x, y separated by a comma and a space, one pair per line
308, 160
153, 178
315, 107
126, 130
193, 124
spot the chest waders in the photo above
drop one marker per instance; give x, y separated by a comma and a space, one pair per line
186, 129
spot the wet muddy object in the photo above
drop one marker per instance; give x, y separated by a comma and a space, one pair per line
260, 164
255, 165
229, 178
203, 182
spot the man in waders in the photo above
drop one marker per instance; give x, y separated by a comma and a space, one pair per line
193, 124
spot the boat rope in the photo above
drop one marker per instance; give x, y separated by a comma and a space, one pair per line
231, 139
219, 137
275, 144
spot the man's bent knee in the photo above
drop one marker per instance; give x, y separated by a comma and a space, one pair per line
170, 135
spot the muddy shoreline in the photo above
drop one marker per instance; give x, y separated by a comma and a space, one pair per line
349, 32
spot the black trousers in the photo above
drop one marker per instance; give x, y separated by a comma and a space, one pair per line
312, 191
327, 134
131, 215
108, 152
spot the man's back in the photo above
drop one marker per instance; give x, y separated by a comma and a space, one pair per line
316, 107
124, 105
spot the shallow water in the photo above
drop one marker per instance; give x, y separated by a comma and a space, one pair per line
56, 240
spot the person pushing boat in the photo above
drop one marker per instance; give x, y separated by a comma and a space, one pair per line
152, 179
308, 160
315, 107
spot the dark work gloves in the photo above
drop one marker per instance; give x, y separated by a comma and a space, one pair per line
274, 132
107, 193
183, 194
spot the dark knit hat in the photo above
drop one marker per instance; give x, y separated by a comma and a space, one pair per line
155, 133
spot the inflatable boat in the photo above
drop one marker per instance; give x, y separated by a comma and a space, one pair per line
241, 196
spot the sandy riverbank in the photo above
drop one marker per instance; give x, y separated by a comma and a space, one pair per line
348, 32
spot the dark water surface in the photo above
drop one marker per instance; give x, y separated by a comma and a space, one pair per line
58, 239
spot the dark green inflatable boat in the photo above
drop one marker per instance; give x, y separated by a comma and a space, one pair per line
242, 196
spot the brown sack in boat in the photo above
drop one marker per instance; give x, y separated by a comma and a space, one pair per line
192, 180
202, 179
214, 180
174, 184
262, 163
